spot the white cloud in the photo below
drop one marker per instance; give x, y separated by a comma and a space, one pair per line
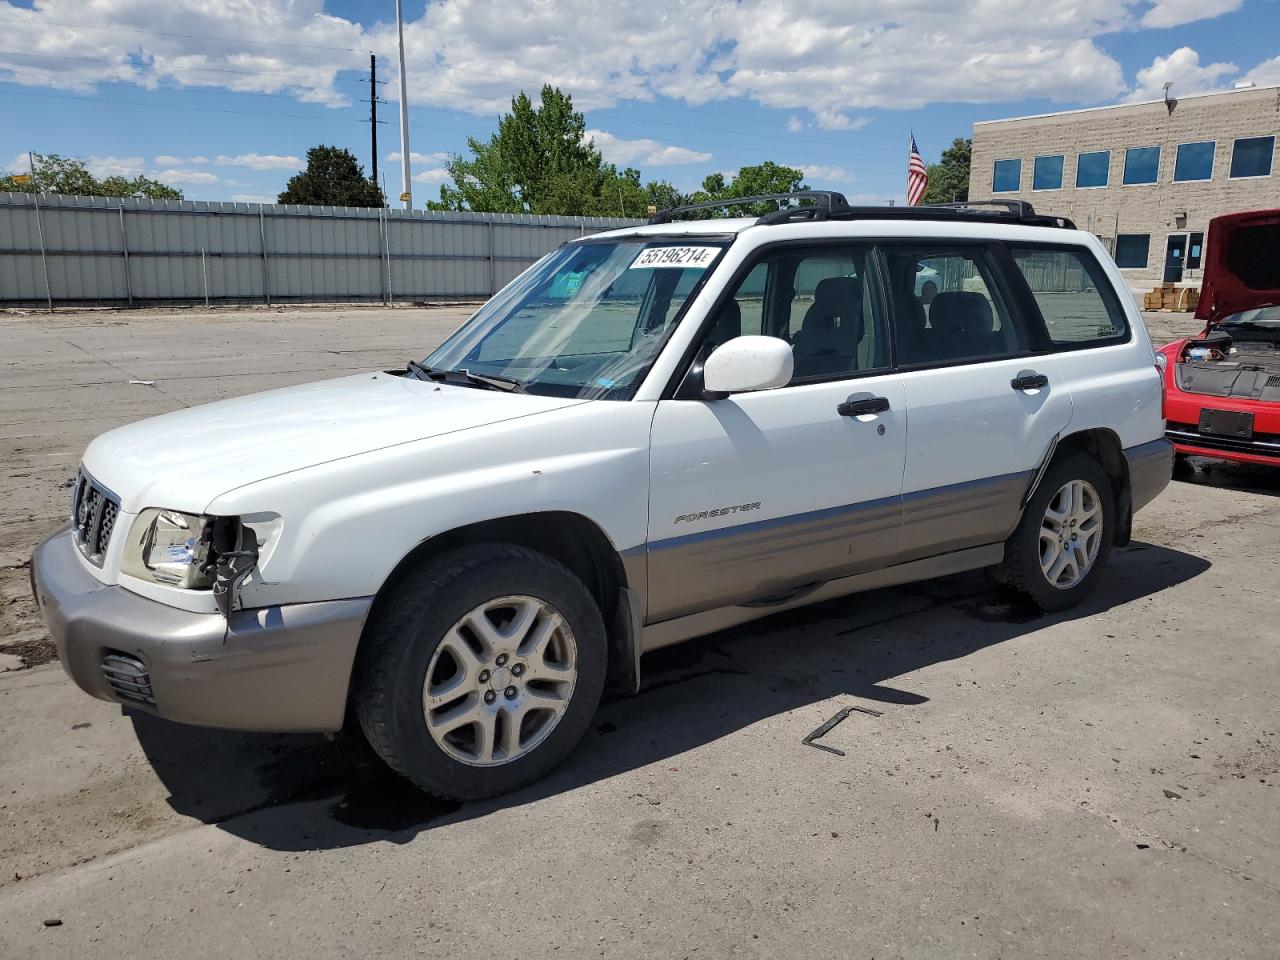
1265, 73
252, 198
643, 151
439, 175
184, 176
830, 58
415, 157
794, 124
1181, 68
165, 160
115, 166
260, 161
829, 119
1173, 13
828, 173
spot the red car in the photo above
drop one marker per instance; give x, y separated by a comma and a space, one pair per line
1222, 389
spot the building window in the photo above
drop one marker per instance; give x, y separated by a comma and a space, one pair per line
1141, 165
1194, 248
1047, 173
1194, 161
1092, 169
1132, 249
1007, 176
1251, 156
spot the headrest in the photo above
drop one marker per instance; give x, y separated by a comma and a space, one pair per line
961, 312
836, 293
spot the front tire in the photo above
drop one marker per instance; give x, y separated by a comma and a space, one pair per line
1057, 554
481, 671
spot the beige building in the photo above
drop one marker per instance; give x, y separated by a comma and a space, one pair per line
1145, 177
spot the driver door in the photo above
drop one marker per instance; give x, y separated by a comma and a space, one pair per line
758, 495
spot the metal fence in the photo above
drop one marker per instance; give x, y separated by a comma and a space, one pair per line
58, 249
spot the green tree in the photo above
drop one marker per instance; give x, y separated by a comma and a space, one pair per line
58, 174
537, 162
540, 161
332, 178
949, 177
750, 181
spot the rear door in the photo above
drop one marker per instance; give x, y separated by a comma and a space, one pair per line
758, 495
986, 398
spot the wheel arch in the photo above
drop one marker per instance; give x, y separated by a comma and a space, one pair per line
572, 539
1104, 446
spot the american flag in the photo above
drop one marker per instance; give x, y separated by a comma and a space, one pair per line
917, 175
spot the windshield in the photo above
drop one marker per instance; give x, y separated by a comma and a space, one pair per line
586, 321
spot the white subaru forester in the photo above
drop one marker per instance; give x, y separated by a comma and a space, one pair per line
651, 434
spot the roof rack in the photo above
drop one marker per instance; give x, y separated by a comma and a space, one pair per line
828, 204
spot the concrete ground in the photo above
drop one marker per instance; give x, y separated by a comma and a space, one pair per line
1095, 784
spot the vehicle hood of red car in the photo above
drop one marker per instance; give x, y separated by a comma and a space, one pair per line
1242, 264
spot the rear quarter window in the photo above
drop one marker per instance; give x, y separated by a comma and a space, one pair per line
1079, 306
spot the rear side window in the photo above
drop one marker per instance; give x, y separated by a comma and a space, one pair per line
1078, 305
947, 306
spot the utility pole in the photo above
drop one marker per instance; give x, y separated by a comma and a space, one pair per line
373, 114
407, 195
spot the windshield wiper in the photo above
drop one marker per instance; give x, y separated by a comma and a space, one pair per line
418, 370
488, 380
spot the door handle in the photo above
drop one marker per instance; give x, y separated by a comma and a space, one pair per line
1029, 380
859, 404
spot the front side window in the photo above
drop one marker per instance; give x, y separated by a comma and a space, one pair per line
1251, 156
1077, 303
1047, 174
1132, 250
1141, 165
1093, 169
965, 319
1194, 161
587, 321
821, 300
1007, 176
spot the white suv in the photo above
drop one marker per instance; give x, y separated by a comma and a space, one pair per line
651, 434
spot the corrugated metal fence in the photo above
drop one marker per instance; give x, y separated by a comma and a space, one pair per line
98, 250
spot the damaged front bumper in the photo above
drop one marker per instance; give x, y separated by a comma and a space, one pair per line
282, 668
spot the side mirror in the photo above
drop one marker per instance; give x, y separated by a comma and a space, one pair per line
748, 363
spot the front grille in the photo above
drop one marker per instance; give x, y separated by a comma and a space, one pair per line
93, 515
128, 678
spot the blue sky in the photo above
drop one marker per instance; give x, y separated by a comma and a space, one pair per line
223, 100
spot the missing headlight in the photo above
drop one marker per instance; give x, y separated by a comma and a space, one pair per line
232, 555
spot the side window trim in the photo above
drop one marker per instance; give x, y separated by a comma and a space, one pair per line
1096, 273
1001, 280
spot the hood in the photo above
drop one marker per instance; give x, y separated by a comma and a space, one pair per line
185, 459
1242, 264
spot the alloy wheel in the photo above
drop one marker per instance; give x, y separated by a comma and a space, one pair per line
500, 680
1071, 534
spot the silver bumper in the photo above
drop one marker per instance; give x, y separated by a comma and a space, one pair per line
283, 668
1150, 470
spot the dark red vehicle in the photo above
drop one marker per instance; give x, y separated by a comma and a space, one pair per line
1222, 389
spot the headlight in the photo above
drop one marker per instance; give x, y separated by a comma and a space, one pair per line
169, 547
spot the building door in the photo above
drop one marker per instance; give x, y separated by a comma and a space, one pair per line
1175, 257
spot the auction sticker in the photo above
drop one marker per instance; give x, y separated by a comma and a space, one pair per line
681, 258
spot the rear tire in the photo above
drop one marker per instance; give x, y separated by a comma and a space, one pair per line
481, 672
1057, 554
